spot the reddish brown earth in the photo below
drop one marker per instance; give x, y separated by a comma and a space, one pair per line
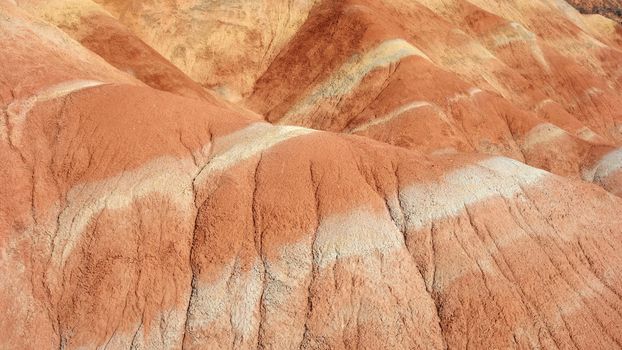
309, 174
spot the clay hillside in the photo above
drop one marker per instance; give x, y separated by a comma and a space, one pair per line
277, 174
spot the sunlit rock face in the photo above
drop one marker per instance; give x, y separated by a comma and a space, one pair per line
309, 174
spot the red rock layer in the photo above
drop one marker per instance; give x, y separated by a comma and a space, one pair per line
99, 32
136, 218
489, 85
223, 46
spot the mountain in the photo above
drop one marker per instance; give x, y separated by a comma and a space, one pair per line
324, 174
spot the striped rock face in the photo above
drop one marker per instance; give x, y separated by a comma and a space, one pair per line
365, 174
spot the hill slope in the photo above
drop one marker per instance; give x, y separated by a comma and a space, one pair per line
374, 174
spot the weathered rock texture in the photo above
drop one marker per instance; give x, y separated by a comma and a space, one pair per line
422, 174
608, 8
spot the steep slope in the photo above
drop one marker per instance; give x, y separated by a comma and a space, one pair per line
36, 55
411, 252
535, 81
136, 218
526, 51
222, 45
101, 33
488, 86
